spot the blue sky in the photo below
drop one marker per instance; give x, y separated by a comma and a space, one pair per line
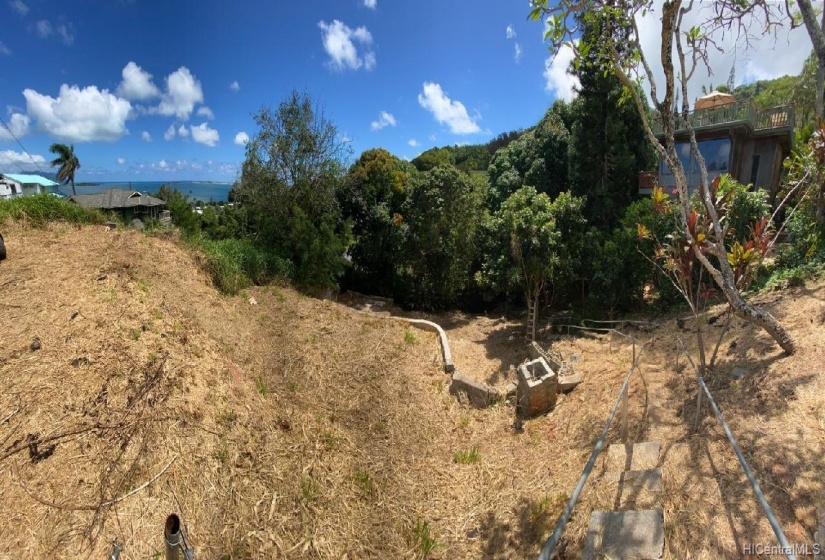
165, 90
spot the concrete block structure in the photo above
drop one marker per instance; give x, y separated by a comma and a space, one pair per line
537, 388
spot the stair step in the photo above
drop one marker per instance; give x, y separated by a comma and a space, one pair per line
636, 489
625, 534
635, 457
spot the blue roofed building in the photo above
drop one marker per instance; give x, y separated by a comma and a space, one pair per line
24, 184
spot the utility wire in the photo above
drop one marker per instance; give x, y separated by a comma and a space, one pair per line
21, 147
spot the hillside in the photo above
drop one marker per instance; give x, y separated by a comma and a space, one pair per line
283, 426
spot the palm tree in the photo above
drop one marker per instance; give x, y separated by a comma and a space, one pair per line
67, 161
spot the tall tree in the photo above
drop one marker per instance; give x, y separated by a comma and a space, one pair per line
538, 158
289, 179
608, 147
683, 50
67, 163
441, 214
371, 197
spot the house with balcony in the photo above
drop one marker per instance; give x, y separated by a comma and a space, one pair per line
733, 137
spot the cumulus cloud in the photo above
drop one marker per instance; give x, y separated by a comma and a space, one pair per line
44, 28
4, 49
517, 54
511, 33
170, 132
79, 115
18, 126
206, 112
384, 119
19, 7
339, 42
235, 86
183, 92
557, 80
145, 136
121, 161
137, 84
202, 134
446, 111
183, 132
241, 139
9, 158
413, 142
371, 4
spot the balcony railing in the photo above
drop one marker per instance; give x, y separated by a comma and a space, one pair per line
744, 112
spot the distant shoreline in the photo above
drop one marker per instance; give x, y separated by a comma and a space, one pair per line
205, 191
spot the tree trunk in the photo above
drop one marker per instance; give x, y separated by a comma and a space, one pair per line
816, 32
74, 192
747, 311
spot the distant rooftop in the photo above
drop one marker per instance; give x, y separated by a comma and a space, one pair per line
116, 198
25, 179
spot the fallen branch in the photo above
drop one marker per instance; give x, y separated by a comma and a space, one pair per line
103, 504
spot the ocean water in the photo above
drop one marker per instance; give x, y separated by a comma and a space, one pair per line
196, 190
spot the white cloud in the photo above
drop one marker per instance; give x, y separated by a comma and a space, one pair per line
384, 119
432, 137
511, 33
18, 125
170, 132
339, 43
79, 115
137, 84
206, 112
9, 158
183, 132
145, 136
769, 57
19, 7
183, 92
44, 28
66, 32
413, 142
235, 86
557, 80
241, 139
121, 161
162, 164
4, 49
202, 134
446, 111
371, 4
517, 55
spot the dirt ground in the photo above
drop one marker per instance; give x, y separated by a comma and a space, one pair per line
282, 426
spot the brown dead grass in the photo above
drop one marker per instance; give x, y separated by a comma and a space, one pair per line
298, 428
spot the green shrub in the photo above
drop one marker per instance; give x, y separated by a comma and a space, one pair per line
744, 207
235, 264
38, 210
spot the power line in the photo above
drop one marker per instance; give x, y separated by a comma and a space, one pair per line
21, 147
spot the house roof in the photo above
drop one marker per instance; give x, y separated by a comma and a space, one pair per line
24, 179
116, 198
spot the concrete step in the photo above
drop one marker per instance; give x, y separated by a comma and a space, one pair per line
635, 457
636, 489
625, 534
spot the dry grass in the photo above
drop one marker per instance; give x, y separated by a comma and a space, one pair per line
297, 428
